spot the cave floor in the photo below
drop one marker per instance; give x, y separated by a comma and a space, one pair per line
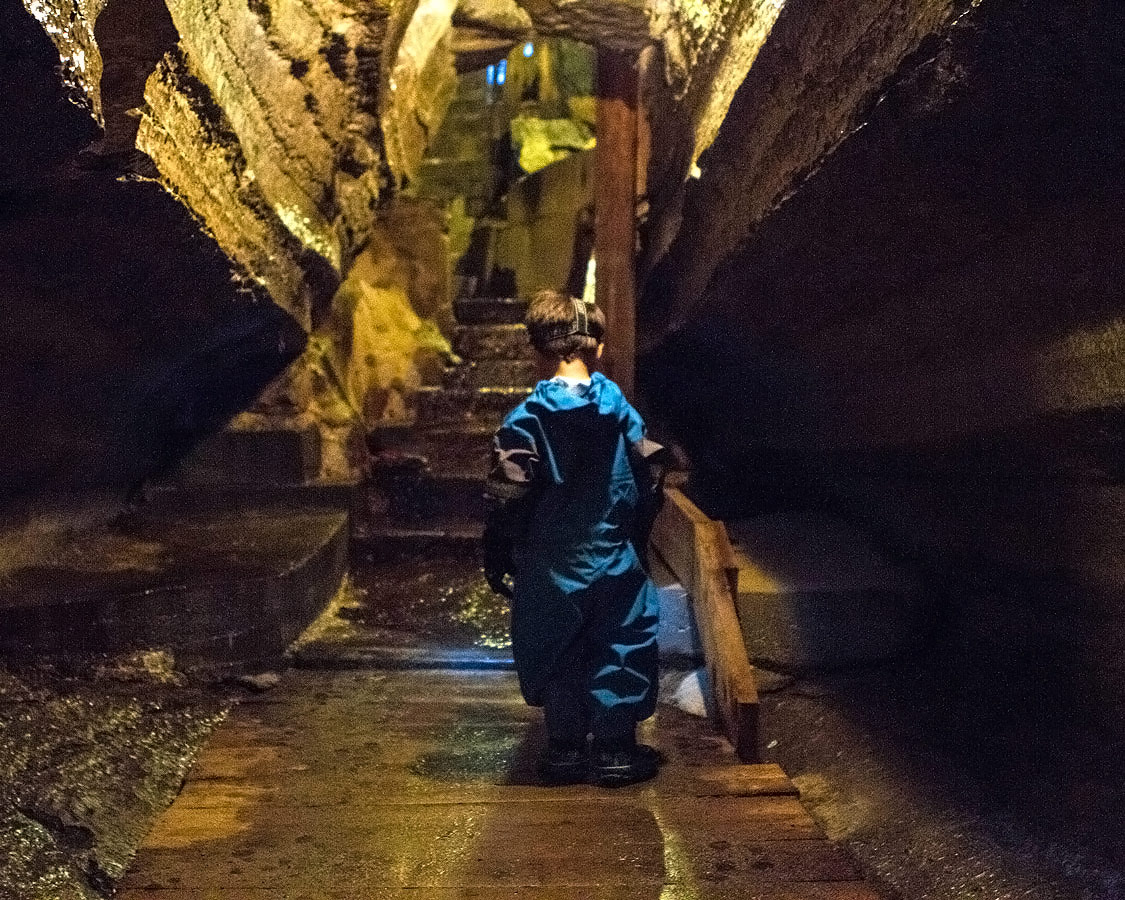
90, 753
418, 610
422, 784
944, 787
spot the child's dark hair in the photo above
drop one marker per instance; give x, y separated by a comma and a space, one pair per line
563, 326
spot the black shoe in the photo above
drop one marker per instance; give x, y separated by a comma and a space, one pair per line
622, 765
564, 764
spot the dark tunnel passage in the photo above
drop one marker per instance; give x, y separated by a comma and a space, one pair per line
262, 272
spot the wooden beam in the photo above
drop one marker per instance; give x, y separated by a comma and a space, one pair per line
698, 551
615, 211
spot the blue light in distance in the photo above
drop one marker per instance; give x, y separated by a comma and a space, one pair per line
528, 49
490, 76
502, 71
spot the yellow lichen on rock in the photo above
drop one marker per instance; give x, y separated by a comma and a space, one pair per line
70, 25
420, 85
375, 346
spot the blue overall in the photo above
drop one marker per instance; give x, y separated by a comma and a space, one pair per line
584, 612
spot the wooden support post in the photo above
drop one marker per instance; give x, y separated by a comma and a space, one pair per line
615, 206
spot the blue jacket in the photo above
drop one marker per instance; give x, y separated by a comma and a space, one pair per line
568, 488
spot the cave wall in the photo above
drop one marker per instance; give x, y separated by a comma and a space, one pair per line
123, 335
817, 68
283, 131
187, 195
927, 335
265, 120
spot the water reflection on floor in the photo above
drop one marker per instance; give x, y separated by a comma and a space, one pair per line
434, 599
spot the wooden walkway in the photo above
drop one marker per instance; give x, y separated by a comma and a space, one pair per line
372, 785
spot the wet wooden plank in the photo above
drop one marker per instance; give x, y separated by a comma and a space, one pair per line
674, 536
767, 818
835, 890
699, 552
336, 810
470, 844
325, 754
493, 748
747, 780
559, 826
303, 784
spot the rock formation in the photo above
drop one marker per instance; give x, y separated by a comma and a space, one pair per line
922, 329
124, 336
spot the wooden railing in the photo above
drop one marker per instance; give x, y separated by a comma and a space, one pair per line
698, 551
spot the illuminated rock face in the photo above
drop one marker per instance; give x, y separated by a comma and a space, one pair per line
287, 128
421, 82
123, 336
927, 334
816, 71
265, 121
272, 122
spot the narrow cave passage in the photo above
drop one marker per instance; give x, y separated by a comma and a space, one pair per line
265, 266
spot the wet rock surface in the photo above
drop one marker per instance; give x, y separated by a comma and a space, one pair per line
444, 599
419, 609
222, 587
90, 754
942, 786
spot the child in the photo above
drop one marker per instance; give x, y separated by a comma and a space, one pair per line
564, 490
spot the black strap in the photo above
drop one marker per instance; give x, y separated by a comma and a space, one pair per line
580, 324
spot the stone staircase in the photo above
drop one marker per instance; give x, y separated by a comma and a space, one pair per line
222, 560
254, 468
419, 599
430, 470
223, 589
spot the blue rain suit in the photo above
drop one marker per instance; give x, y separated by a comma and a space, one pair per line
584, 612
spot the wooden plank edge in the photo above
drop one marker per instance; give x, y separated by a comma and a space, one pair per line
699, 552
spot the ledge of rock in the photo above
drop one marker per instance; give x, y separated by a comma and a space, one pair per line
814, 593
217, 588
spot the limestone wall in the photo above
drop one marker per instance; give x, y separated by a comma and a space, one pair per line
265, 121
926, 336
817, 68
123, 335
151, 317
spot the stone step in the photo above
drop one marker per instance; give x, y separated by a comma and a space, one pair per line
481, 342
463, 451
317, 494
221, 589
415, 493
484, 407
272, 456
421, 610
490, 310
814, 593
331, 657
491, 373
390, 434
386, 540
466, 449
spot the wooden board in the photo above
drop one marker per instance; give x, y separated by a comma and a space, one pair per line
310, 794
640, 890
699, 552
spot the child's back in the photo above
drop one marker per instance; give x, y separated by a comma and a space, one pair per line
586, 493
584, 613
